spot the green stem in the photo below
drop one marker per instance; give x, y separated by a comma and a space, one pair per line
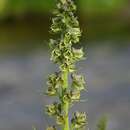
66, 105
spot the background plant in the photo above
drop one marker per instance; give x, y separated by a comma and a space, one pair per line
102, 124
65, 27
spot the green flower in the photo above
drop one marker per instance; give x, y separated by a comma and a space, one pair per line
67, 39
57, 25
75, 95
69, 67
60, 120
51, 91
78, 82
66, 97
65, 27
53, 109
78, 53
74, 33
54, 82
56, 55
79, 120
52, 43
63, 4
71, 96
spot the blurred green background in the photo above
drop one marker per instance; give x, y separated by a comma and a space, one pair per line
99, 20
24, 61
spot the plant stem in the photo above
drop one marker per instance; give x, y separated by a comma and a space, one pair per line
66, 105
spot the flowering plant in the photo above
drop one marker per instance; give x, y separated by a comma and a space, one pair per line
66, 30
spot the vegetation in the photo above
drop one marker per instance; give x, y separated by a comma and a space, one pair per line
102, 124
65, 26
20, 7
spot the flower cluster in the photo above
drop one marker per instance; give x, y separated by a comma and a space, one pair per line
65, 26
78, 82
79, 120
55, 109
54, 83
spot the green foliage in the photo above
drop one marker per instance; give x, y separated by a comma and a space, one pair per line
20, 7
102, 6
66, 31
33, 128
102, 124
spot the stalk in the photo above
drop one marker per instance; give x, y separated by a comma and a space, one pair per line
66, 105
66, 108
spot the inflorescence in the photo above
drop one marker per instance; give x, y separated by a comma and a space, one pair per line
65, 27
